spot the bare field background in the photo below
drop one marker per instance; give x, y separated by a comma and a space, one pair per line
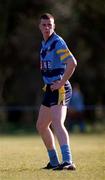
23, 156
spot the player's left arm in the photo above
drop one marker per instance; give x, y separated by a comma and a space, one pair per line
70, 68
71, 64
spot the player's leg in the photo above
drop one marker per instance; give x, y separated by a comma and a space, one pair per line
43, 127
58, 119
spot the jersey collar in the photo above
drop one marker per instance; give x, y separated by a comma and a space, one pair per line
52, 35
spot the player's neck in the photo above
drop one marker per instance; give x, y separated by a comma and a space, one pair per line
49, 37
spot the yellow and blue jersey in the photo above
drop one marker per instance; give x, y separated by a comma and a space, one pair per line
53, 55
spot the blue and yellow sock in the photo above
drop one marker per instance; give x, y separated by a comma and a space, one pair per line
66, 153
53, 157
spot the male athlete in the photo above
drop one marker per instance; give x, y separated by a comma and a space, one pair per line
57, 66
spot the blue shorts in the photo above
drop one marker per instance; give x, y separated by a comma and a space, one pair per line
60, 96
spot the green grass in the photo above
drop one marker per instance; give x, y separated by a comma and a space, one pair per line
22, 157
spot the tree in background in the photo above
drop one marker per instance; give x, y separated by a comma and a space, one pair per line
81, 23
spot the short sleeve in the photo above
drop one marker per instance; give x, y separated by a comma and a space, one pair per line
62, 51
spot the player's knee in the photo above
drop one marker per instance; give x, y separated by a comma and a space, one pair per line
40, 127
57, 126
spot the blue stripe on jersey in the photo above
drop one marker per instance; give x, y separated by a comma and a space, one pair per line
53, 72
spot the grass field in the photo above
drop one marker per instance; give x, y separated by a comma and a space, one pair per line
22, 158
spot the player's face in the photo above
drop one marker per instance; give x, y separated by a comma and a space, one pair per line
47, 27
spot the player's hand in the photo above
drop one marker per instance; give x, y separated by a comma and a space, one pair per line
56, 85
